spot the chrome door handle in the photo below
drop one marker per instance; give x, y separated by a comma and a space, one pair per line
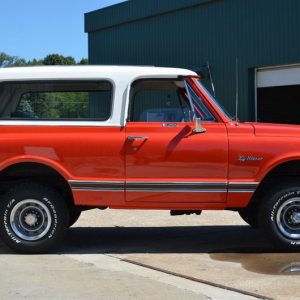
137, 137
170, 125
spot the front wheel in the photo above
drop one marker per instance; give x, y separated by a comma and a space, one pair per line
280, 217
250, 215
33, 218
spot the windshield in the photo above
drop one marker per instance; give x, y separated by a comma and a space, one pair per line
212, 98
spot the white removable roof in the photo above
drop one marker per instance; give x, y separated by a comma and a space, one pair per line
120, 76
115, 73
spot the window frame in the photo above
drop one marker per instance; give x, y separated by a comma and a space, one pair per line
130, 105
62, 121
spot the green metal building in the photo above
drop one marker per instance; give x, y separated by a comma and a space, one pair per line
263, 34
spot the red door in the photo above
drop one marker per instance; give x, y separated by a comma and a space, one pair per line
167, 162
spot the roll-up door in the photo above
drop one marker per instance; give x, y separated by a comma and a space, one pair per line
278, 94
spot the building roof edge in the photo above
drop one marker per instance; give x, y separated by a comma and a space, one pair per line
134, 10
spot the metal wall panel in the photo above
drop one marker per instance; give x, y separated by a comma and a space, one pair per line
259, 32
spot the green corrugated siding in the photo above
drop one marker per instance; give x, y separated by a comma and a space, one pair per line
259, 32
134, 10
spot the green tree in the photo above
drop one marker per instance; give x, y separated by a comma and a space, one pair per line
35, 62
84, 61
56, 59
9, 61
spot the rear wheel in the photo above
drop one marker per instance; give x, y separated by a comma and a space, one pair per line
280, 217
33, 218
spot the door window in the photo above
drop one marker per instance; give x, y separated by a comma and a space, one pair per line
163, 100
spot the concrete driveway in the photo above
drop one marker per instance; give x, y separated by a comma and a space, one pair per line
149, 255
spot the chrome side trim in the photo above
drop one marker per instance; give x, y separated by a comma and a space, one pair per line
98, 189
242, 187
168, 187
186, 187
83, 185
234, 183
176, 190
210, 183
73, 182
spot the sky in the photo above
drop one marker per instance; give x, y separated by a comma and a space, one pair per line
35, 28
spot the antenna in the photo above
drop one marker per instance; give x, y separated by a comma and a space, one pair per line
236, 90
211, 80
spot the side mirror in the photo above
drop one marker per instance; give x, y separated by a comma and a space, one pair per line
198, 126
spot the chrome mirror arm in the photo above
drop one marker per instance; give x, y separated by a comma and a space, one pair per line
197, 121
198, 126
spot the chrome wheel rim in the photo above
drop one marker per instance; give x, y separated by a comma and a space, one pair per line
288, 218
30, 219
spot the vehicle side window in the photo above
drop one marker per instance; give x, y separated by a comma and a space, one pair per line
164, 100
56, 100
158, 101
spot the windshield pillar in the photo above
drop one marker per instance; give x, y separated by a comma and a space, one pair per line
209, 100
187, 88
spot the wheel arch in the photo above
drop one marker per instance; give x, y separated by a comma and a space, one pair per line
278, 175
35, 160
36, 170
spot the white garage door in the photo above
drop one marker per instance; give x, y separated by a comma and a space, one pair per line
278, 95
280, 76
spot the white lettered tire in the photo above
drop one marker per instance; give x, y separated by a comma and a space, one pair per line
33, 218
279, 216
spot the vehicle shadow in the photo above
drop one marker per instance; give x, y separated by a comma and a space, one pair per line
183, 239
239, 244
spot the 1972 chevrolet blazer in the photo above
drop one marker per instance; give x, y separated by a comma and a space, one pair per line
75, 138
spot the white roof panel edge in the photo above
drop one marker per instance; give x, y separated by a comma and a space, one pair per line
88, 72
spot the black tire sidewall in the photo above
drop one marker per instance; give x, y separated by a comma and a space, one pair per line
250, 215
56, 206
74, 215
268, 216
